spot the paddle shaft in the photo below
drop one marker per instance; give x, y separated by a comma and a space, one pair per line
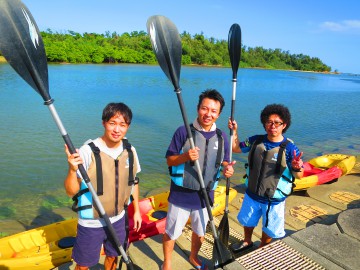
86, 178
231, 143
234, 48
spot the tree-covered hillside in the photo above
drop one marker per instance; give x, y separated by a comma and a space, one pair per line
135, 47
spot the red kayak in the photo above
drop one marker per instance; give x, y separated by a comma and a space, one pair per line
324, 169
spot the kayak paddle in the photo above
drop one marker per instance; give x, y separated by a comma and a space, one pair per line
234, 47
166, 44
22, 46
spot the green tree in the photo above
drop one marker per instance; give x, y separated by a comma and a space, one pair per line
135, 47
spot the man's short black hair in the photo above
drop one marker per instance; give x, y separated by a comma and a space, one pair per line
113, 108
212, 94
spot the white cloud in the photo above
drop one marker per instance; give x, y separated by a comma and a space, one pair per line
346, 25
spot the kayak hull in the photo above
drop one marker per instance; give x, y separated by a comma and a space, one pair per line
37, 248
324, 169
43, 248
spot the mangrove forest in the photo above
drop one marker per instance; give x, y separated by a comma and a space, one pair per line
135, 47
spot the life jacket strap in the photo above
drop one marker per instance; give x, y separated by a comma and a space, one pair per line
75, 199
258, 140
267, 213
220, 143
99, 174
127, 146
280, 156
292, 180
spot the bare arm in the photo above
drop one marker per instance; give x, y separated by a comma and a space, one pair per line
137, 216
72, 182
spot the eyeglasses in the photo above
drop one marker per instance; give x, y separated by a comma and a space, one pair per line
275, 123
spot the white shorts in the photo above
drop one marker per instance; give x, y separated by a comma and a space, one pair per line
177, 217
251, 211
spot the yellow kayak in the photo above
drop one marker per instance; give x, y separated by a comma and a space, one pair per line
324, 169
50, 246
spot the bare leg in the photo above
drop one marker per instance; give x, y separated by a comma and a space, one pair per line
265, 239
110, 263
196, 242
246, 243
248, 231
168, 247
79, 267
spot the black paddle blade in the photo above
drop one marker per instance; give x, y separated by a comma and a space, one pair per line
166, 44
224, 230
221, 254
234, 47
22, 46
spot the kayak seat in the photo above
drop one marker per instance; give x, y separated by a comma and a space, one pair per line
160, 214
66, 242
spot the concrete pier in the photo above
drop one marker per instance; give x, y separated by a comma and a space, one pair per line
322, 226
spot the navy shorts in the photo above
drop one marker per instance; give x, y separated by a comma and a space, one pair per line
87, 247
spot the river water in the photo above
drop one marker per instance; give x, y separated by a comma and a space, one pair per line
325, 119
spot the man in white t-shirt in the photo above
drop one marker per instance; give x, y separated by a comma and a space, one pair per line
111, 164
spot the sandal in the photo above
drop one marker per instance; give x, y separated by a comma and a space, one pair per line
241, 246
203, 266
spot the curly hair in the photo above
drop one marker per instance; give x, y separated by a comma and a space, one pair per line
279, 109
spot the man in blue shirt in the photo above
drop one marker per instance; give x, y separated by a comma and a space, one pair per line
273, 163
186, 199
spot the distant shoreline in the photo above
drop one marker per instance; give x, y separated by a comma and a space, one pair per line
3, 60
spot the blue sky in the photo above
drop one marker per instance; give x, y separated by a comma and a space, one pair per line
326, 29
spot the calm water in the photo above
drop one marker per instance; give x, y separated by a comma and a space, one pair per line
325, 111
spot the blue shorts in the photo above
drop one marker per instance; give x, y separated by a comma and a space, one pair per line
87, 247
251, 211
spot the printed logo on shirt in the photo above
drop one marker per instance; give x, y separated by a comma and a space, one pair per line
216, 145
127, 163
274, 158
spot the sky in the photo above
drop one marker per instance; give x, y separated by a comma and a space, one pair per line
329, 30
